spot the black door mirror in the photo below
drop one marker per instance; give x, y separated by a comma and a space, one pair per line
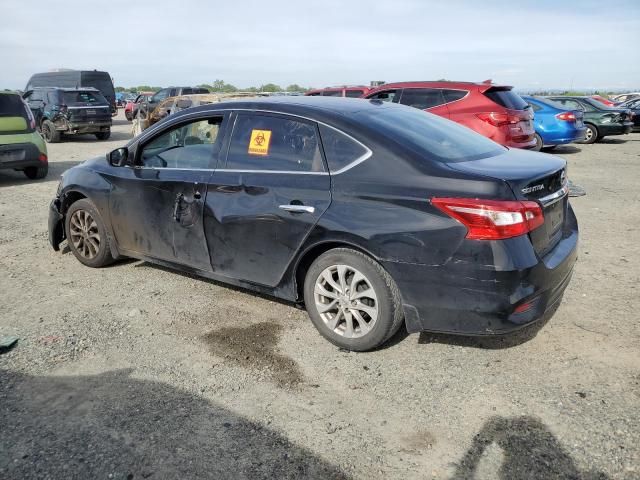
118, 157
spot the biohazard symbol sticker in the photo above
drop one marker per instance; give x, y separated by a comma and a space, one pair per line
259, 143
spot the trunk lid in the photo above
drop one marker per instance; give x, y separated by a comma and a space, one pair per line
531, 176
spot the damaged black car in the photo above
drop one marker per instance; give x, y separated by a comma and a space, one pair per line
69, 111
372, 214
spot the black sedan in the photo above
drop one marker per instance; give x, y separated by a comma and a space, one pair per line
373, 214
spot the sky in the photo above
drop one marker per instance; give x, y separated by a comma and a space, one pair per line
530, 44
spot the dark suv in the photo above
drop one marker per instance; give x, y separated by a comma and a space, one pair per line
69, 111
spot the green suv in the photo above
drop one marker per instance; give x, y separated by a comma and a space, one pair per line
21, 146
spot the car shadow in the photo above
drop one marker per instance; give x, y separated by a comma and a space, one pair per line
11, 177
112, 425
615, 141
529, 450
562, 150
91, 138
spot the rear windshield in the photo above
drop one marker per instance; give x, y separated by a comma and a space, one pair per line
434, 137
83, 97
101, 81
507, 98
12, 106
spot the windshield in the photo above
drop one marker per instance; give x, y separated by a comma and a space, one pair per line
83, 97
438, 139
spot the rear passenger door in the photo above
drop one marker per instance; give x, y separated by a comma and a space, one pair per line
265, 200
429, 99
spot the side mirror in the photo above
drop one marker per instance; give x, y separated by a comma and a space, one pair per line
118, 157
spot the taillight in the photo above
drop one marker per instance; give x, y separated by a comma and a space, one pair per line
492, 219
497, 119
566, 116
43, 158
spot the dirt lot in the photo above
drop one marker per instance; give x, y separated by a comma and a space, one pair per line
135, 371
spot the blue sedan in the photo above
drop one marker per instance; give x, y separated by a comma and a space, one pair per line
555, 125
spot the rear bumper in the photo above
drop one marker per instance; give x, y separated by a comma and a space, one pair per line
68, 126
615, 129
20, 155
477, 298
562, 137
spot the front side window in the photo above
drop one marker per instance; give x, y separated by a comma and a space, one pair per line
161, 95
385, 96
273, 143
422, 98
194, 145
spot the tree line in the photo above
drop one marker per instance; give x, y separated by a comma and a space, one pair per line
223, 87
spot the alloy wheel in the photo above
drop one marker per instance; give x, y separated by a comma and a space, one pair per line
346, 301
588, 134
46, 132
84, 234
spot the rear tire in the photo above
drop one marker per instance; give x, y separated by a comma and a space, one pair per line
539, 144
591, 135
49, 132
103, 135
36, 173
87, 235
359, 307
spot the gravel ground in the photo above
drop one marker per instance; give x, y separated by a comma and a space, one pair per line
136, 371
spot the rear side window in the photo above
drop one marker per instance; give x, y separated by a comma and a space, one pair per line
340, 149
332, 93
353, 93
422, 98
270, 143
453, 95
385, 96
506, 98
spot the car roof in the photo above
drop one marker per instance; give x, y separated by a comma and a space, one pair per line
68, 89
337, 107
441, 84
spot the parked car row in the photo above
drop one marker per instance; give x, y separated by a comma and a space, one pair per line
497, 112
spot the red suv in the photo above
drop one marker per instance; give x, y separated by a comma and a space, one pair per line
491, 110
353, 92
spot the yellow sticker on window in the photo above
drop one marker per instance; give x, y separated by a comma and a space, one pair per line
259, 143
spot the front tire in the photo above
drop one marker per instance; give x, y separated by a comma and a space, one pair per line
352, 301
36, 173
86, 234
49, 132
591, 134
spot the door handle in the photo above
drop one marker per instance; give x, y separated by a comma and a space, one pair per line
297, 208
